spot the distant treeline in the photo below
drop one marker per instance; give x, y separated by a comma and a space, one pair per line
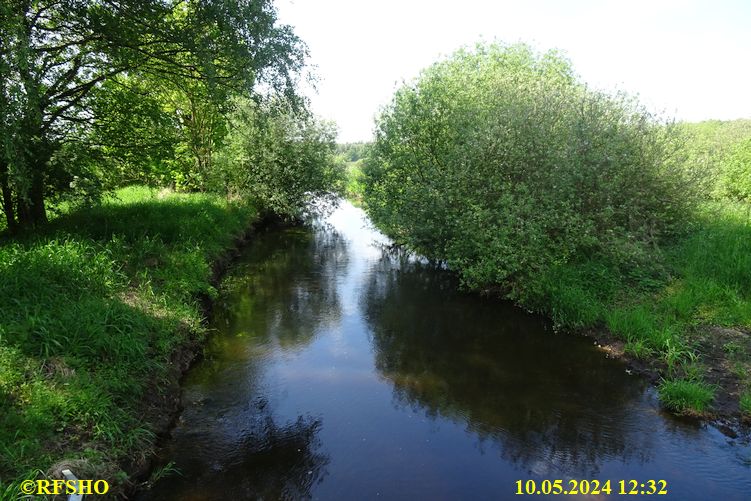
722, 149
352, 152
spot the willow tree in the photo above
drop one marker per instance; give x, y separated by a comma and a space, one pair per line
56, 53
499, 161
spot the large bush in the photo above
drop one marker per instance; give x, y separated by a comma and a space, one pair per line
276, 156
500, 162
736, 179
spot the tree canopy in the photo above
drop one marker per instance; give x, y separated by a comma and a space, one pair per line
76, 72
500, 162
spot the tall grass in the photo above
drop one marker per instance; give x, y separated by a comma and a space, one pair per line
91, 313
702, 278
686, 396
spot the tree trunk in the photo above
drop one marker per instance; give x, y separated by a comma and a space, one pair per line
7, 194
36, 197
31, 209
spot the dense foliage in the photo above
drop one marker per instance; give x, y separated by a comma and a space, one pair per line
498, 161
97, 94
352, 152
277, 156
352, 158
736, 178
94, 308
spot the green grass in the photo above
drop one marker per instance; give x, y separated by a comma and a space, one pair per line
745, 403
686, 396
354, 183
702, 279
91, 312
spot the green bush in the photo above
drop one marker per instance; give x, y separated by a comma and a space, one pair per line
500, 162
736, 179
277, 157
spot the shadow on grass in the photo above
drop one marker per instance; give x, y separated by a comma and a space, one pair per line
91, 310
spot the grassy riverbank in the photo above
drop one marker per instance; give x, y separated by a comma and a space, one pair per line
579, 204
691, 324
94, 312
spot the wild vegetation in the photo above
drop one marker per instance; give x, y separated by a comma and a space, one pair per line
139, 139
352, 156
197, 104
95, 308
96, 95
499, 162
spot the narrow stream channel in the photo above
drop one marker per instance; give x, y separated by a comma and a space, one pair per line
339, 371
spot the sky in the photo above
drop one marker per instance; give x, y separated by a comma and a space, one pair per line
685, 59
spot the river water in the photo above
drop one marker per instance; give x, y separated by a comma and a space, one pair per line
341, 370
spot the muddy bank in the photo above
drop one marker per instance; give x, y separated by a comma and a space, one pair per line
720, 372
162, 409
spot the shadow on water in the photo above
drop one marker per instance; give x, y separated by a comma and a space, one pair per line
287, 291
227, 440
490, 367
271, 461
342, 368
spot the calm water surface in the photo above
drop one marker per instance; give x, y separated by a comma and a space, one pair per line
342, 371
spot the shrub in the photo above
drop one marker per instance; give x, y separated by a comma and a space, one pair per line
278, 157
500, 162
736, 179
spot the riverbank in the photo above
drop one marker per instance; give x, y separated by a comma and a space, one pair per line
683, 319
99, 317
688, 327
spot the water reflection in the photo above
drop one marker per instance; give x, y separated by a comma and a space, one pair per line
494, 369
286, 292
228, 440
271, 461
343, 369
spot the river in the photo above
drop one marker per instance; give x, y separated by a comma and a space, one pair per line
339, 369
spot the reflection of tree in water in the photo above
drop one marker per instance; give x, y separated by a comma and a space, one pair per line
545, 400
270, 462
285, 289
229, 444
285, 464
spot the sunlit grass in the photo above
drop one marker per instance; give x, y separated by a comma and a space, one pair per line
745, 403
91, 312
702, 278
686, 396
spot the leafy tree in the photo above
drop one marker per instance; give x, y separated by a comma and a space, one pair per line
278, 155
57, 53
501, 163
132, 139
